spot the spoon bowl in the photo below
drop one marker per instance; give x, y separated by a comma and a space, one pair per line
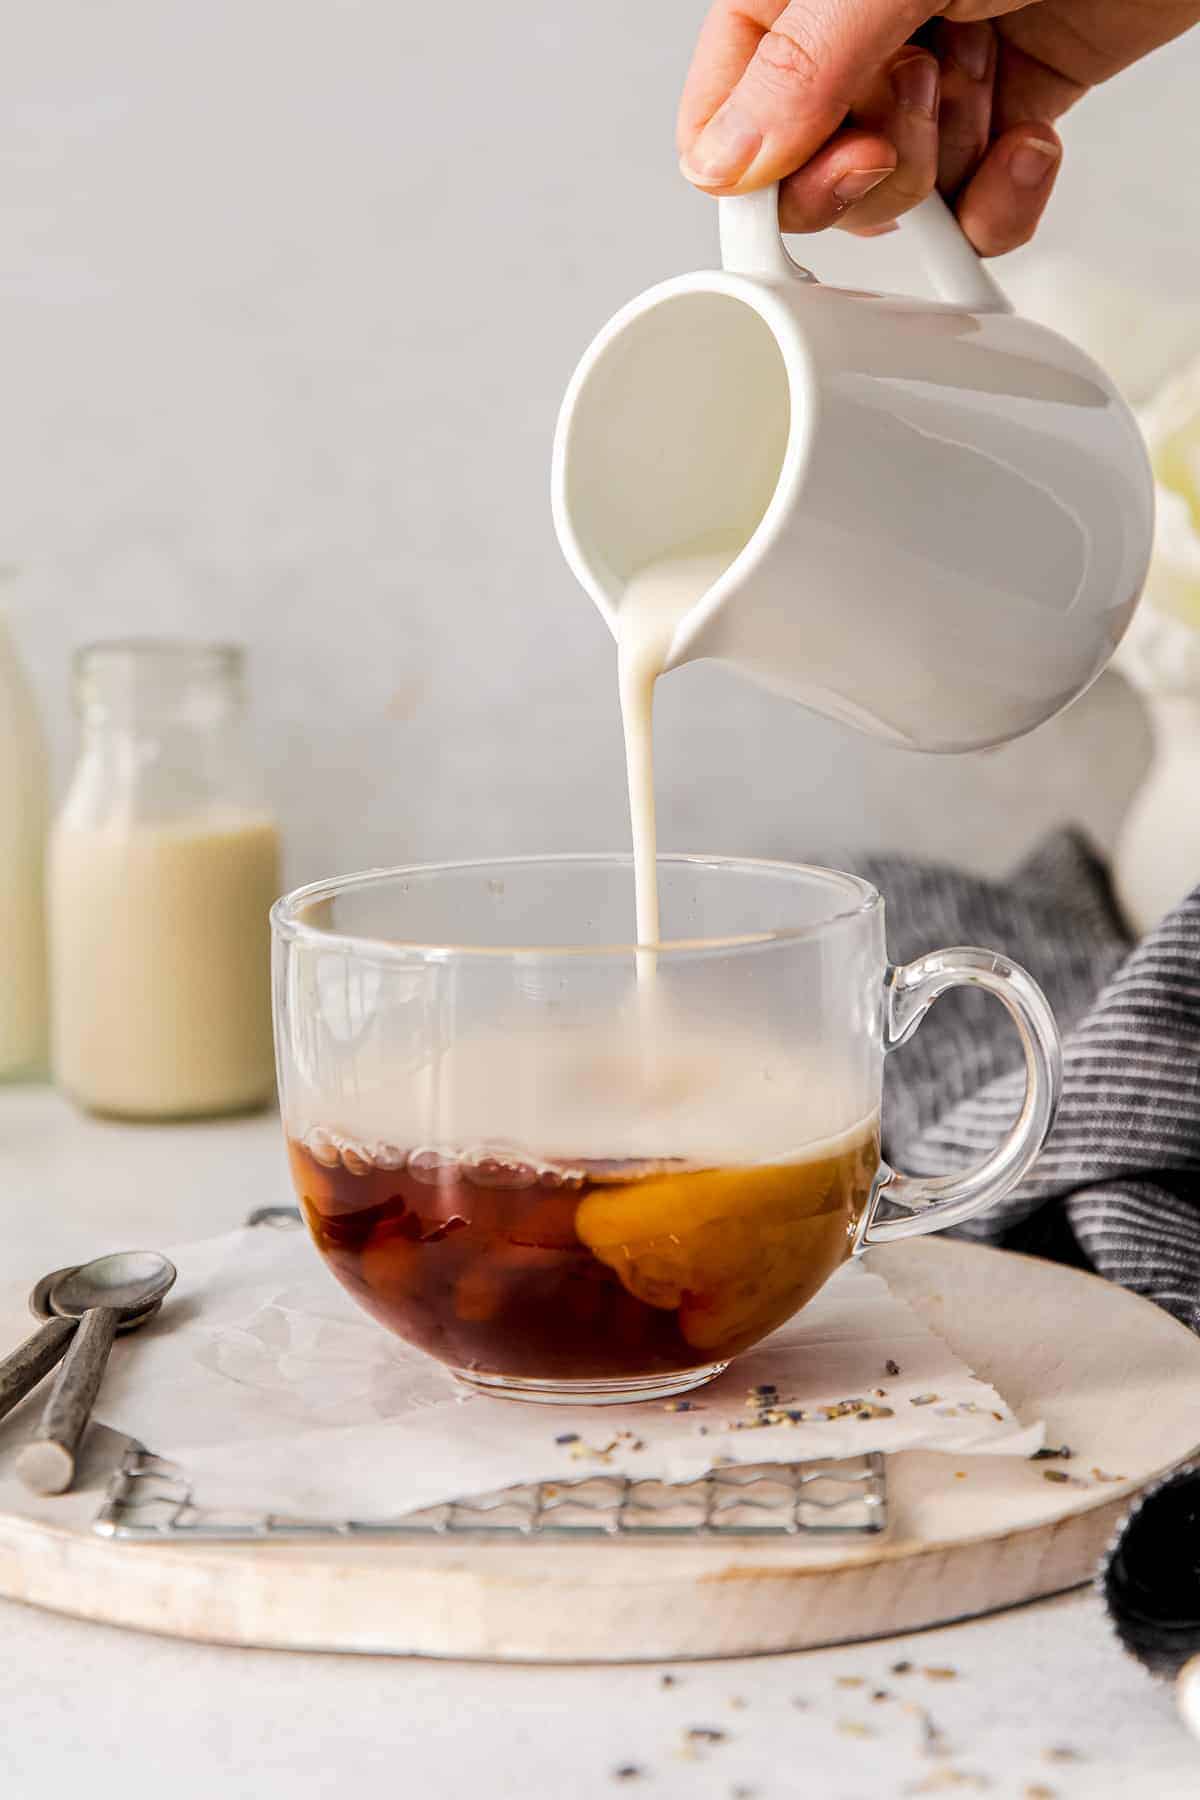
131, 1282
41, 1308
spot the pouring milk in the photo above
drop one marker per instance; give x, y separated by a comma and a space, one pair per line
655, 601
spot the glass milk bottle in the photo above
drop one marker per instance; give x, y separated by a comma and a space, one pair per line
23, 819
163, 865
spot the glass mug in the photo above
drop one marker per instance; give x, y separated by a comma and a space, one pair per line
568, 1179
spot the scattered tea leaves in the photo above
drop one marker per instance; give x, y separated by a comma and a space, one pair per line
890, 1367
1037, 1790
924, 1399
567, 1437
1061, 1753
857, 1408
902, 1668
667, 1680
855, 1728
850, 1681
1102, 1475
597, 1452
1049, 1454
628, 1772
939, 1673
704, 1734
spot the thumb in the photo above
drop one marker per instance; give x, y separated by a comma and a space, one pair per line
770, 81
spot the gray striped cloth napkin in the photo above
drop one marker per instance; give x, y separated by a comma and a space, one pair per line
1117, 1187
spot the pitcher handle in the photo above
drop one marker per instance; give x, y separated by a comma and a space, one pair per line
930, 1202
750, 239
956, 271
751, 245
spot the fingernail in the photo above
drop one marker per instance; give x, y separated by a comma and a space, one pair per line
724, 150
858, 183
970, 48
1031, 162
915, 83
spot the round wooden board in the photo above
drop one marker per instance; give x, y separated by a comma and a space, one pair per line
1111, 1375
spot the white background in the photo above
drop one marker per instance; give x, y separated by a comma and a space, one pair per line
289, 291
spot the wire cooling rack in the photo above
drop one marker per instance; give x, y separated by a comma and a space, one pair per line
151, 1500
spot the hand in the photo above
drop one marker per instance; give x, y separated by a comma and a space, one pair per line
858, 107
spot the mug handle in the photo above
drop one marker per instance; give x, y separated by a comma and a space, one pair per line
931, 1202
751, 245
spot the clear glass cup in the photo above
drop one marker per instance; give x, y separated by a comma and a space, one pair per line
570, 1183
163, 865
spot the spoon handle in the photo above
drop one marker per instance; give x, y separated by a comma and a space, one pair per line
47, 1463
25, 1366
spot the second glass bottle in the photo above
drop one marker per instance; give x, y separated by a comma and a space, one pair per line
164, 862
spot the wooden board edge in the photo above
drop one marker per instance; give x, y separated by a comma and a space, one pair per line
348, 1604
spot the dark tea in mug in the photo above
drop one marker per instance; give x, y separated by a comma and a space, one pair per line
577, 1271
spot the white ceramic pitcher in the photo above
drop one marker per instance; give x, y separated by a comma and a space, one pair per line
946, 512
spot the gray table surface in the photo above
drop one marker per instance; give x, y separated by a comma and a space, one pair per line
82, 1703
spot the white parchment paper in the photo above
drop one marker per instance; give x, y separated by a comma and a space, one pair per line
276, 1394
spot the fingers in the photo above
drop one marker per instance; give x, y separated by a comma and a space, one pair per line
968, 58
1000, 207
771, 82
728, 39
1026, 88
840, 175
905, 106
868, 174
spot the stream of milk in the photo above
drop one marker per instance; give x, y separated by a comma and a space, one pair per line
655, 601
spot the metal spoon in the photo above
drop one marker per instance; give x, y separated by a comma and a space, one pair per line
25, 1366
123, 1289
40, 1307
